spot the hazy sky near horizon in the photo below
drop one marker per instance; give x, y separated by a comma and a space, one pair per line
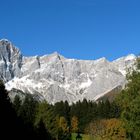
82, 29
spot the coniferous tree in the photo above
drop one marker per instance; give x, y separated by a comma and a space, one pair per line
42, 132
46, 114
9, 122
129, 101
28, 109
17, 104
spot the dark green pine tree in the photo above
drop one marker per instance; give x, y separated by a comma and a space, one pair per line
106, 109
42, 133
100, 108
115, 110
17, 104
63, 135
129, 101
28, 109
10, 125
67, 112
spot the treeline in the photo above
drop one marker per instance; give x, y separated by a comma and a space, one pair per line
30, 118
62, 119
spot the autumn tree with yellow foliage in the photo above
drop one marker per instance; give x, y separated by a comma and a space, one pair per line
74, 124
110, 129
64, 130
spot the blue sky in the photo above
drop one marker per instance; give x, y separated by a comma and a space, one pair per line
82, 29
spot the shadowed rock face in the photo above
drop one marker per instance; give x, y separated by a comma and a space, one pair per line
55, 78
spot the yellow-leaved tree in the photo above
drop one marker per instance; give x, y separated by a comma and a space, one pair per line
110, 129
74, 124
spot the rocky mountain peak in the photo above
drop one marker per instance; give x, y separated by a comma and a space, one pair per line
10, 60
4, 41
130, 57
8, 49
56, 78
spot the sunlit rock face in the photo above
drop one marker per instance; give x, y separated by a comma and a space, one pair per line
56, 78
10, 60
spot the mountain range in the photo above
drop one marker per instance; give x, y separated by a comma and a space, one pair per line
55, 78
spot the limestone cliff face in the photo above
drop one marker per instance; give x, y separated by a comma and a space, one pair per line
55, 78
10, 60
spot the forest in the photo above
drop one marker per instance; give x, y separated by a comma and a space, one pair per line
103, 120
